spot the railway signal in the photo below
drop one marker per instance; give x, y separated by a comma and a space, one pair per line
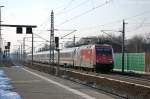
57, 49
57, 42
28, 30
19, 30
8, 43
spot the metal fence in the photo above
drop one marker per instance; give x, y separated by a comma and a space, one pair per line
133, 61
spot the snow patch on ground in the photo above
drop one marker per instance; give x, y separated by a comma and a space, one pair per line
6, 89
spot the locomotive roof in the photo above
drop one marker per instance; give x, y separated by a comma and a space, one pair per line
68, 49
92, 45
43, 52
83, 46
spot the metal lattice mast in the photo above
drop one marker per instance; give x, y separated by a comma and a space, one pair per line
52, 39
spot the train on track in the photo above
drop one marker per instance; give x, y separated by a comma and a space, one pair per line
95, 57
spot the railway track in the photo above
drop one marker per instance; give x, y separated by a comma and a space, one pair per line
142, 80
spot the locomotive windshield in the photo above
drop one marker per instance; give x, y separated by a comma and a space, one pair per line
103, 51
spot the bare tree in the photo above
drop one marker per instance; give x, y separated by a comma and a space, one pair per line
136, 44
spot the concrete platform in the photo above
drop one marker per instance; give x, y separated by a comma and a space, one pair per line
32, 84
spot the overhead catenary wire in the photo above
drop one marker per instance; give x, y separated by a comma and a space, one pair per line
127, 18
93, 3
139, 26
68, 34
45, 22
111, 37
120, 20
75, 7
80, 14
41, 37
69, 4
86, 12
43, 26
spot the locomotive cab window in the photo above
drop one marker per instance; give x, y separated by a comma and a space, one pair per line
103, 51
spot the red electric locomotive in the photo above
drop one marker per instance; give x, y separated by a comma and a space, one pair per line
95, 56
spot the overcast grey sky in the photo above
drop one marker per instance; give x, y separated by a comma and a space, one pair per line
89, 17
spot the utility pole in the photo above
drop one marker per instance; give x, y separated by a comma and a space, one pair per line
24, 49
74, 41
52, 39
123, 45
32, 48
0, 35
21, 52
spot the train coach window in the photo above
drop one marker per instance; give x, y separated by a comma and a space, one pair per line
65, 54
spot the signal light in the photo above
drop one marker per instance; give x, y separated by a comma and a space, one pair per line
6, 47
57, 42
8, 43
19, 30
28, 30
